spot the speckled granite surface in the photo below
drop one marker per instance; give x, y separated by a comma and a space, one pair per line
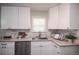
58, 42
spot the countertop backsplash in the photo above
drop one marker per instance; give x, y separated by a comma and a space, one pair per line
63, 32
14, 33
43, 34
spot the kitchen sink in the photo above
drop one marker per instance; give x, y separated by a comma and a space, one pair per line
39, 39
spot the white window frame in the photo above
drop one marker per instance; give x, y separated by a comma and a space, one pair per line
39, 18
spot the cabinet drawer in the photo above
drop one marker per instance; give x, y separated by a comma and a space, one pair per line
35, 43
7, 48
6, 44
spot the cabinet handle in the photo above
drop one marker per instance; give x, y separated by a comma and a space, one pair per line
3, 47
3, 44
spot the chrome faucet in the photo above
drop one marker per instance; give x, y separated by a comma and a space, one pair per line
39, 35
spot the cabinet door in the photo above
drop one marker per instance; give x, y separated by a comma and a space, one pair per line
9, 17
7, 48
56, 49
2, 49
10, 48
74, 16
24, 18
64, 16
46, 48
35, 48
70, 50
53, 18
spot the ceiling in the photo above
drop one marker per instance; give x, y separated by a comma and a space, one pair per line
33, 6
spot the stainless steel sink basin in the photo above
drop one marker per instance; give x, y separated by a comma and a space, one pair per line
39, 39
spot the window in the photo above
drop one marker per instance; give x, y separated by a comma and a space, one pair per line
39, 24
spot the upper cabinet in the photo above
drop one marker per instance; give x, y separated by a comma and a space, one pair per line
15, 17
74, 16
64, 16
53, 18
24, 18
9, 17
67, 17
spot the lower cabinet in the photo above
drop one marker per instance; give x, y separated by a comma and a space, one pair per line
7, 48
37, 48
66, 50
41, 48
15, 48
23, 48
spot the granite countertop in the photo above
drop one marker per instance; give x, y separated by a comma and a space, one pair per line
24, 39
64, 43
13, 40
58, 42
40, 40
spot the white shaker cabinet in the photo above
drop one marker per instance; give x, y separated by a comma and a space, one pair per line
35, 48
74, 16
68, 16
64, 16
7, 48
53, 18
41, 48
66, 50
15, 17
9, 17
24, 18
47, 48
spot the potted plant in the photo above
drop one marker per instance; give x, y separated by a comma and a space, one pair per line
71, 37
